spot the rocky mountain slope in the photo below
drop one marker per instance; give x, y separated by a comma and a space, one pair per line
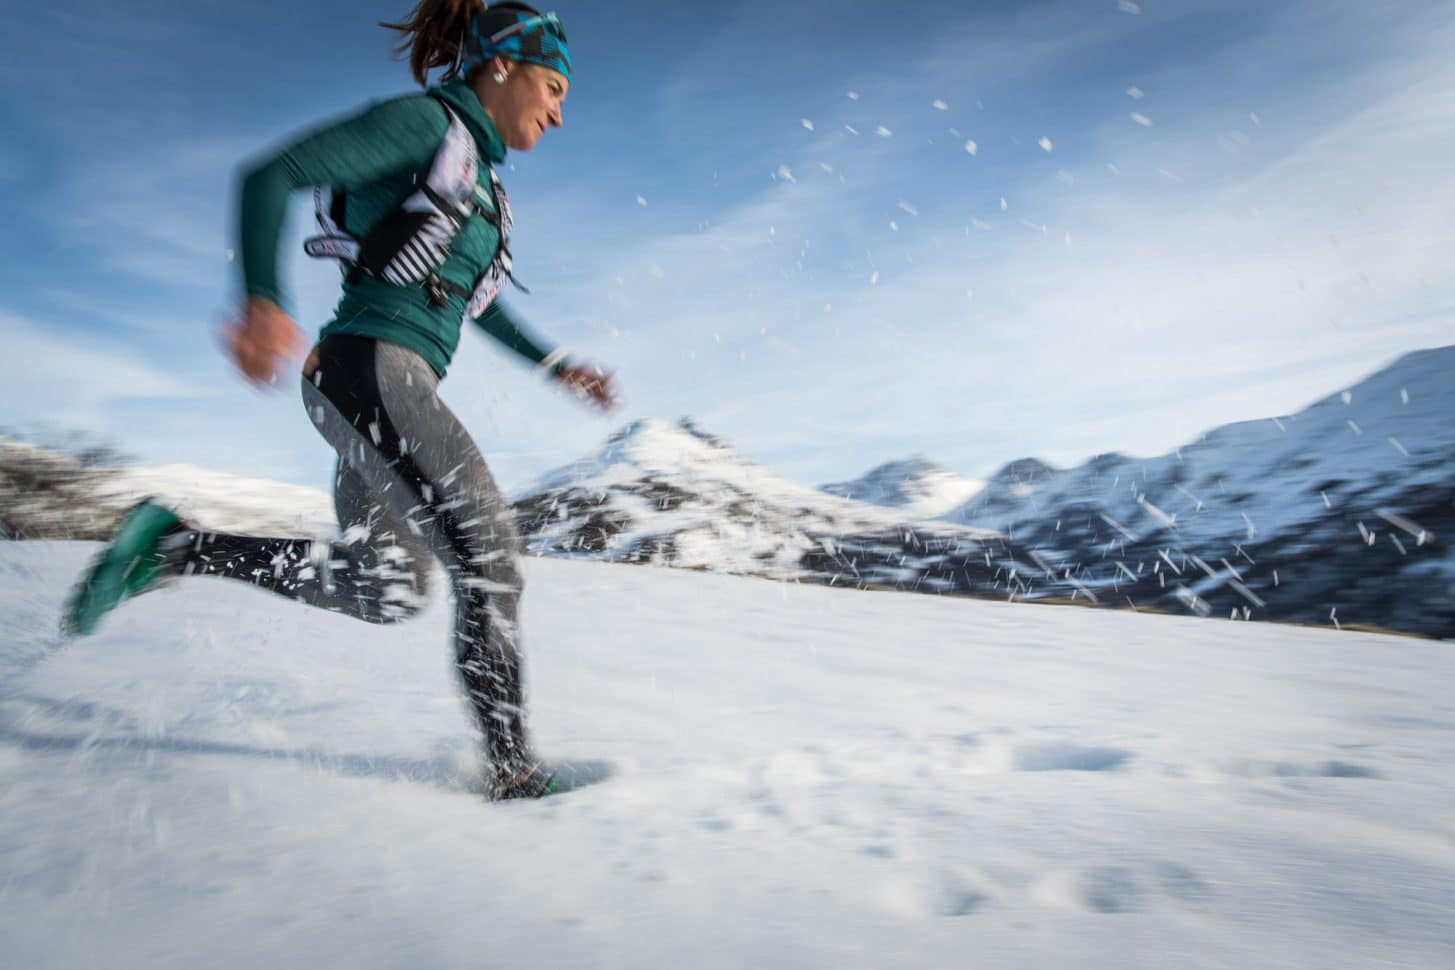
1335, 514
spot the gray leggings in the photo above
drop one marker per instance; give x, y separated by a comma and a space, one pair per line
411, 488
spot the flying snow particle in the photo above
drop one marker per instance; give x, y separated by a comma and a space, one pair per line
828, 169
786, 173
853, 95
883, 132
1190, 599
1346, 396
1068, 239
1419, 532
1354, 427
1065, 177
1141, 119
657, 271
1003, 204
1113, 169
893, 225
1127, 6
1253, 117
851, 129
1045, 144
641, 201
828, 308
874, 278
807, 124
979, 223
1399, 447
1248, 595
939, 105
228, 255
1135, 93
908, 208
1169, 521
1404, 395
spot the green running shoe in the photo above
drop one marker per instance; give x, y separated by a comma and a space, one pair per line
131, 564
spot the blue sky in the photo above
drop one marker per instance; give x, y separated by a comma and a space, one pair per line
768, 217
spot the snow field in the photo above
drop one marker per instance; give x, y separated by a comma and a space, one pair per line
802, 777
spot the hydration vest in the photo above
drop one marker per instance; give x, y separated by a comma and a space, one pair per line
409, 244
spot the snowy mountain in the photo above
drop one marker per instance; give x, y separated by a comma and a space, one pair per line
1333, 516
1337, 514
919, 488
675, 495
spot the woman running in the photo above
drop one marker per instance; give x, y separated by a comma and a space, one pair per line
420, 222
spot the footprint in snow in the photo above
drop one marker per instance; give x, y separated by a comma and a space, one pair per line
1288, 769
1064, 756
1109, 889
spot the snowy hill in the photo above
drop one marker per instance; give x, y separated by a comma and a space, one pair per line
801, 778
1339, 513
917, 487
48, 495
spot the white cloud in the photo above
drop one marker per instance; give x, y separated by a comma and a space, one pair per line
76, 380
158, 213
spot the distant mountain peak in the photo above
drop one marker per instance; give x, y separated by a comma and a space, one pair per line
915, 485
647, 431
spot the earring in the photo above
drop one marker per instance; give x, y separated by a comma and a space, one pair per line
499, 78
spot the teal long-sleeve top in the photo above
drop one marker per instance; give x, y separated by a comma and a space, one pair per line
378, 156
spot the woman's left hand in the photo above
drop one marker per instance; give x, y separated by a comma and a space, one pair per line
590, 383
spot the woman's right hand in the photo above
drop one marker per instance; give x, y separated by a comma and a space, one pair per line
262, 339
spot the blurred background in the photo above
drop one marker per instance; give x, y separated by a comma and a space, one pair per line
835, 234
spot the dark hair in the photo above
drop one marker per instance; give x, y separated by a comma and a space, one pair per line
435, 31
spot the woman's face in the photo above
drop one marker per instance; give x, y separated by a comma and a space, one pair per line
526, 104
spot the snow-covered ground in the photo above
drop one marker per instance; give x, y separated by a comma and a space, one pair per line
801, 777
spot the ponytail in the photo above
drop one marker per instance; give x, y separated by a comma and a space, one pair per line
434, 34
